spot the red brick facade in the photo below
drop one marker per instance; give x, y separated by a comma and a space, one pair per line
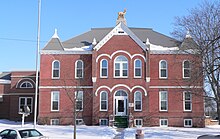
121, 89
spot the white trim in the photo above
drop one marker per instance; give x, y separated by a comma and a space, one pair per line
183, 68
121, 67
77, 92
101, 67
81, 69
177, 52
51, 101
173, 87
138, 120
121, 85
163, 100
120, 51
2, 81
120, 27
137, 68
18, 94
57, 52
57, 120
105, 119
135, 101
25, 103
23, 76
100, 109
163, 69
60, 87
188, 125
56, 69
30, 80
165, 119
184, 109
94, 79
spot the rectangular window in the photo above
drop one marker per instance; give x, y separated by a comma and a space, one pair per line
138, 122
187, 97
25, 104
163, 101
79, 122
79, 100
55, 98
187, 122
103, 122
163, 122
54, 121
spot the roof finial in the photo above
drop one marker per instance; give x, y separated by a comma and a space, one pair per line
147, 42
94, 42
55, 35
121, 17
188, 34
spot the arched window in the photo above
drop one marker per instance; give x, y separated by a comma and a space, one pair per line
79, 69
137, 101
56, 69
104, 68
186, 69
121, 66
137, 68
103, 101
26, 84
163, 69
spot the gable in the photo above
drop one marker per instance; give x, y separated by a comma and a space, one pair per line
119, 30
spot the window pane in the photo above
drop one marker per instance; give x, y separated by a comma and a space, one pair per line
186, 64
79, 105
104, 63
55, 105
163, 73
163, 64
56, 65
117, 72
55, 73
163, 105
79, 64
137, 72
104, 72
104, 96
138, 105
125, 73
103, 105
187, 105
117, 66
138, 63
187, 96
79, 72
186, 73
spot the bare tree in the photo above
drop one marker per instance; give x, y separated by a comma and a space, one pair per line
203, 23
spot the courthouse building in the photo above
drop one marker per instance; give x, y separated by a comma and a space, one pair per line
121, 76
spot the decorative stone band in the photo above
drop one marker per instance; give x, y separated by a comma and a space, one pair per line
121, 85
152, 87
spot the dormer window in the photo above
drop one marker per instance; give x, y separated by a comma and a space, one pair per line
26, 84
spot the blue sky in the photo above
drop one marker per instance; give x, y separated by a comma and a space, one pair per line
18, 22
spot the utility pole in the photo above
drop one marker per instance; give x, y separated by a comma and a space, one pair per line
37, 56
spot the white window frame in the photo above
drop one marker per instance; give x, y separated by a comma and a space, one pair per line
26, 82
78, 121
188, 125
101, 67
106, 101
184, 101
54, 121
161, 121
137, 100
78, 100
183, 68
160, 94
160, 68
104, 119
135, 67
121, 67
55, 69
30, 107
76, 77
135, 120
58, 101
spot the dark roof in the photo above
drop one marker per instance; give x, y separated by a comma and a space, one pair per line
5, 75
86, 38
188, 43
54, 44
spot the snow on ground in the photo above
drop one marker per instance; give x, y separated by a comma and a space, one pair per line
99, 132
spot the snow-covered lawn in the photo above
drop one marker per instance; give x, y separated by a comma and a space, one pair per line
97, 132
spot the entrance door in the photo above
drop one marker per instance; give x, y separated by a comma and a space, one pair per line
121, 101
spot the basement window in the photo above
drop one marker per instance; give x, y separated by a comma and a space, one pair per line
1, 98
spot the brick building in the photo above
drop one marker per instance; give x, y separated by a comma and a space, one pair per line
121, 76
17, 90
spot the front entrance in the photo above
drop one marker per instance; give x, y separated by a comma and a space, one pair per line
121, 103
